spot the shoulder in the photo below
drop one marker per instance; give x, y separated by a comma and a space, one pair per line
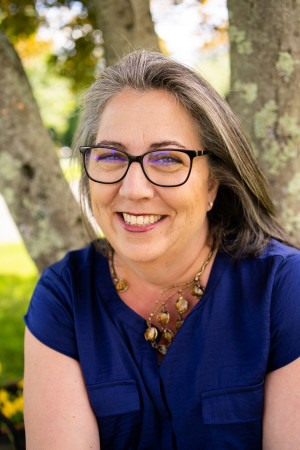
285, 259
276, 249
276, 270
276, 257
75, 262
73, 276
57, 299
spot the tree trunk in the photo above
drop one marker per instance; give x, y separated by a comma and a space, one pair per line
31, 181
126, 25
265, 80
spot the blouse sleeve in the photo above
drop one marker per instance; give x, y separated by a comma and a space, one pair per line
50, 316
285, 314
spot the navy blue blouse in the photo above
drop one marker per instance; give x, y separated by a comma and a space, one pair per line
208, 392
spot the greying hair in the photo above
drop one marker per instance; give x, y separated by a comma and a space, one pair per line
242, 220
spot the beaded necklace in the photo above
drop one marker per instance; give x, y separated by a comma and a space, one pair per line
181, 305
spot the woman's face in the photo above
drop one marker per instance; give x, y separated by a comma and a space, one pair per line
174, 219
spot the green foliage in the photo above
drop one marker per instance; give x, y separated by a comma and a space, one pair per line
82, 53
19, 19
55, 98
15, 293
81, 50
18, 276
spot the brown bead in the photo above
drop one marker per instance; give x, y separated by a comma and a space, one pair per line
197, 291
151, 333
179, 322
168, 335
181, 305
162, 349
163, 317
121, 286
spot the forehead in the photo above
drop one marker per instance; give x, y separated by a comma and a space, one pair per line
156, 113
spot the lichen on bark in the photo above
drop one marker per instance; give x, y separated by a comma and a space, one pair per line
285, 65
247, 91
273, 117
31, 180
265, 119
244, 45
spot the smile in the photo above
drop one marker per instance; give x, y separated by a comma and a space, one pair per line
141, 220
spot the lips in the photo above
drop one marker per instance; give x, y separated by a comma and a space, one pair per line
141, 220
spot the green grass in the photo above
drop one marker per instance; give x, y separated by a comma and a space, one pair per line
18, 276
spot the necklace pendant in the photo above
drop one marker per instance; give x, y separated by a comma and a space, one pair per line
181, 305
121, 286
168, 335
198, 291
163, 317
178, 324
162, 349
151, 333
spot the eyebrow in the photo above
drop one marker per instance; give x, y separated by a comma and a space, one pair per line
112, 144
155, 145
166, 144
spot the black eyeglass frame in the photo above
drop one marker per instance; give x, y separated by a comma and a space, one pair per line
139, 159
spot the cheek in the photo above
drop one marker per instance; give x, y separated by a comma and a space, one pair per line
101, 194
100, 200
189, 203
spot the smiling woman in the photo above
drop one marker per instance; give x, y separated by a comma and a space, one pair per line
189, 303
126, 122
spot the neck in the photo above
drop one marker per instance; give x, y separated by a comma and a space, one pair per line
157, 275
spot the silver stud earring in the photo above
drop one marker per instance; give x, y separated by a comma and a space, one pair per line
210, 204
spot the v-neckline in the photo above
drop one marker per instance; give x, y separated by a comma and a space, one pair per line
127, 315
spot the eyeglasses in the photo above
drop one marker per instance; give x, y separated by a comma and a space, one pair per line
163, 167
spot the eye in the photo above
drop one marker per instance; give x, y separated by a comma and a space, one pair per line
165, 158
103, 155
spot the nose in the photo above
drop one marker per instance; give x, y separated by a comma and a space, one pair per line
135, 185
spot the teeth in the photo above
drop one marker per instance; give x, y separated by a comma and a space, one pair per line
141, 220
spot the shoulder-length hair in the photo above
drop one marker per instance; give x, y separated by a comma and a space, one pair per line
242, 220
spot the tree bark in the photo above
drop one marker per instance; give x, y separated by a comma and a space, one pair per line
265, 80
126, 25
31, 181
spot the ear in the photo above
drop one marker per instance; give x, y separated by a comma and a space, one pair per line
213, 186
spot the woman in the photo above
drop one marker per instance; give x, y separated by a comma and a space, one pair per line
182, 331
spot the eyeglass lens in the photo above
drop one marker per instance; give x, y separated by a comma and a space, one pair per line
166, 167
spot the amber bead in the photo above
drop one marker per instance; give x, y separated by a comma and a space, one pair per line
121, 286
162, 349
179, 322
151, 333
168, 335
197, 291
181, 305
163, 317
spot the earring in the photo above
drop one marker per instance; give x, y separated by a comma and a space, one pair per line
210, 204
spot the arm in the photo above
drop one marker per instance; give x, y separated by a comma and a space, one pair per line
58, 415
281, 419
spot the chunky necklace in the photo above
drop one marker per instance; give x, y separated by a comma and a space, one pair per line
181, 305
120, 285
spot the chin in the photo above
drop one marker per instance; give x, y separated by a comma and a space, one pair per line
139, 255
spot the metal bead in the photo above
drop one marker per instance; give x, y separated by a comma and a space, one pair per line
168, 335
163, 317
162, 349
151, 333
181, 305
197, 291
179, 322
121, 286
